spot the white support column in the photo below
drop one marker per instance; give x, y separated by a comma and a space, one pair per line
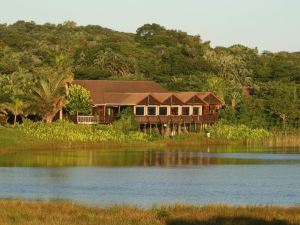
60, 114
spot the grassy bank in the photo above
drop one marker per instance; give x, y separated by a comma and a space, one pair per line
11, 139
20, 212
66, 135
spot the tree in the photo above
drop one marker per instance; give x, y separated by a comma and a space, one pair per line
16, 106
149, 30
49, 92
173, 58
281, 100
13, 89
115, 63
230, 67
2, 107
79, 100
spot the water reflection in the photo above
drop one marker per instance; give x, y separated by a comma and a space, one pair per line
148, 177
129, 158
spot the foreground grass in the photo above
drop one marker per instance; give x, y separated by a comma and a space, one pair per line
19, 212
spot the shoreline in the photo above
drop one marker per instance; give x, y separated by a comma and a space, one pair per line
12, 140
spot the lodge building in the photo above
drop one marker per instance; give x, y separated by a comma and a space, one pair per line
152, 104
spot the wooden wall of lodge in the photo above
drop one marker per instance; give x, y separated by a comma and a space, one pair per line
207, 114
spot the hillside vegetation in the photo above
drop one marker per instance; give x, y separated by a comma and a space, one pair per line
33, 55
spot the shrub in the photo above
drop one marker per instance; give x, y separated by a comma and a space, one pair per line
67, 131
238, 132
126, 121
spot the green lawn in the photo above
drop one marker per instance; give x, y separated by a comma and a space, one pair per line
15, 140
9, 138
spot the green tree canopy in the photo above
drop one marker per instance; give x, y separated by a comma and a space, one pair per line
79, 100
49, 92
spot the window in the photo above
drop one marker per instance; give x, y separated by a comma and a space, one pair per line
185, 111
163, 111
174, 111
140, 111
196, 111
151, 110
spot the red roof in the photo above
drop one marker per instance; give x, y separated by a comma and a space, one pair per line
107, 92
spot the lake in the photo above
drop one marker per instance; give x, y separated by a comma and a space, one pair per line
144, 178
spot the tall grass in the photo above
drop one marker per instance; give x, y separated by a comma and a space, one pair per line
19, 212
282, 139
70, 132
238, 133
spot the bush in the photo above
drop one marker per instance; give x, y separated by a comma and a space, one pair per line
126, 121
238, 132
67, 131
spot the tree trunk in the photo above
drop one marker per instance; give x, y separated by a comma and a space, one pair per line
15, 119
15, 116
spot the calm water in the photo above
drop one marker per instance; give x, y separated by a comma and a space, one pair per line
148, 177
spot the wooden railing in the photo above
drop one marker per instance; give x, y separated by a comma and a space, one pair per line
87, 120
107, 119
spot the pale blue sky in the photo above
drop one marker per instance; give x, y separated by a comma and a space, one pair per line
267, 24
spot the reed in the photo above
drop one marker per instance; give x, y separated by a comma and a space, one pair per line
284, 140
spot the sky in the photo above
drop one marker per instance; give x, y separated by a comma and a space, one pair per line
272, 25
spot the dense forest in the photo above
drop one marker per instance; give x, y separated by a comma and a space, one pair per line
33, 55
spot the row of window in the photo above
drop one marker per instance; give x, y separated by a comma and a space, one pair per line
165, 110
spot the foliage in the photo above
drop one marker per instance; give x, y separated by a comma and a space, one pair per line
49, 92
14, 93
274, 104
126, 121
281, 101
16, 106
238, 132
79, 100
70, 132
173, 58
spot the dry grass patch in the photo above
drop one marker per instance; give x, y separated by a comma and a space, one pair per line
67, 213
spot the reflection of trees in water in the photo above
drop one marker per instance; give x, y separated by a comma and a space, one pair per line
119, 158
175, 158
105, 158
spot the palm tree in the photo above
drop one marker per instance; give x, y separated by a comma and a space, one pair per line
16, 106
2, 110
48, 95
4, 98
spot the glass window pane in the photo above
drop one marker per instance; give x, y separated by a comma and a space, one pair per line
151, 111
174, 111
196, 111
139, 111
163, 111
185, 111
